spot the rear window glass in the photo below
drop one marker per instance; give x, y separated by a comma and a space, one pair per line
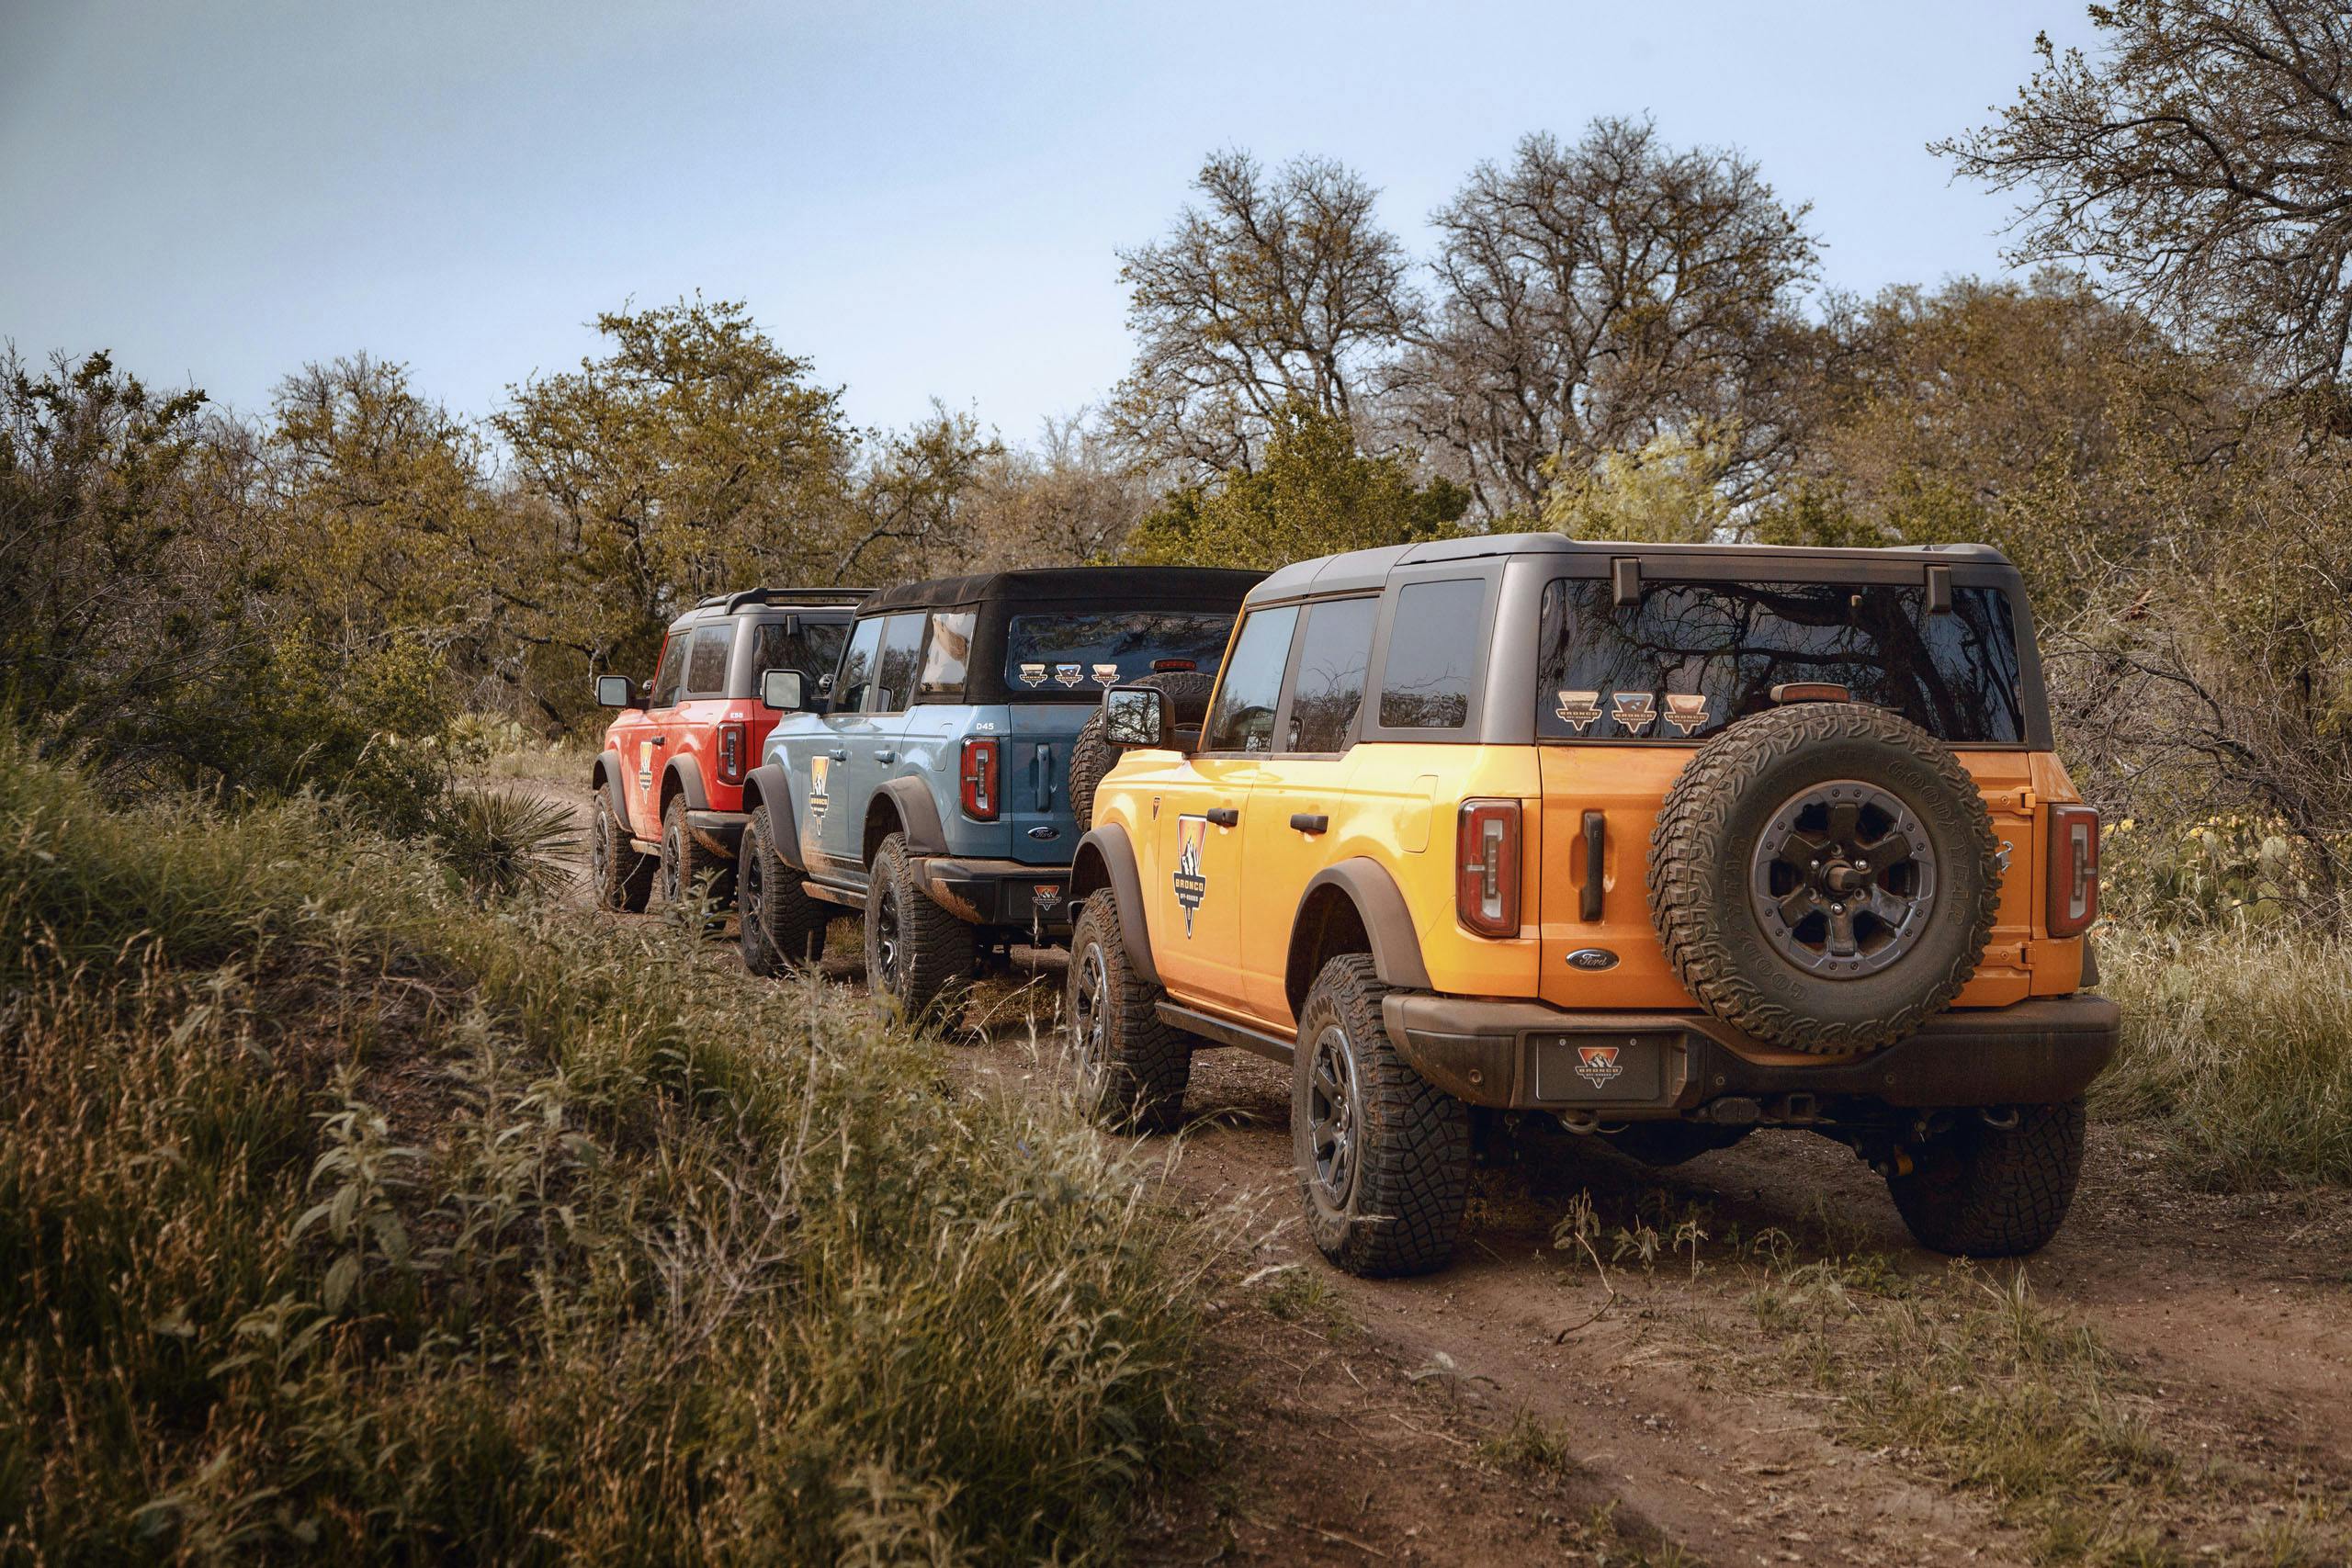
706, 661
1083, 651
814, 647
1692, 656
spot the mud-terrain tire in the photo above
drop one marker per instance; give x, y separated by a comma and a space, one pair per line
1396, 1206
1090, 756
1673, 1142
1741, 795
685, 861
919, 958
622, 878
782, 926
1980, 1190
1132, 1068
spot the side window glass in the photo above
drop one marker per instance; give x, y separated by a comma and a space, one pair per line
894, 680
672, 670
814, 650
1433, 647
706, 661
1333, 655
948, 657
1243, 716
857, 666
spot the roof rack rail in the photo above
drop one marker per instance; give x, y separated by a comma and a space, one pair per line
734, 602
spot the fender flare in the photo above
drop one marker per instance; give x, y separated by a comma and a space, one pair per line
609, 773
918, 815
771, 785
1388, 919
689, 777
1106, 858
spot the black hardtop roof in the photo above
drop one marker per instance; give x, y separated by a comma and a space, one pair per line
1210, 587
790, 601
1367, 570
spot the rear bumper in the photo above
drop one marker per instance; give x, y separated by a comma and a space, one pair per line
999, 893
1526, 1056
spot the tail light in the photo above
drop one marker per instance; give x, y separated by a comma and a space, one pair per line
1486, 867
2074, 869
979, 776
731, 751
1166, 666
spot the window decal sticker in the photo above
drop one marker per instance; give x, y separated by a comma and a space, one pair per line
1106, 674
1191, 886
1636, 711
1578, 708
1032, 674
1687, 711
1068, 675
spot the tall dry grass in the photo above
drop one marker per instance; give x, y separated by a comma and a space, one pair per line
2237, 1049
341, 1216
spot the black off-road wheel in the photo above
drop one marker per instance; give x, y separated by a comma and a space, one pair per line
781, 925
919, 958
1823, 877
685, 862
1132, 1068
1992, 1189
1382, 1157
1090, 756
622, 879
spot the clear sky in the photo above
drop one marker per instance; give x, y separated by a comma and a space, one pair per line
925, 200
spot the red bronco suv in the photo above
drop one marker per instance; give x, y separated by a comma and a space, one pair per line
669, 783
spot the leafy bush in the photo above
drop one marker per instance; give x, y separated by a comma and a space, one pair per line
2213, 871
344, 1217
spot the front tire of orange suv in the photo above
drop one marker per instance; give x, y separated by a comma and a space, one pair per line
1383, 1156
622, 878
1132, 1068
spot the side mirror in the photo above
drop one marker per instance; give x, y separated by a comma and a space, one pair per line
783, 690
1136, 717
616, 691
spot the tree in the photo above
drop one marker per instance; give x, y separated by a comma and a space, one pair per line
916, 496
1278, 290
1314, 493
1066, 500
2202, 165
1595, 297
694, 456
1669, 493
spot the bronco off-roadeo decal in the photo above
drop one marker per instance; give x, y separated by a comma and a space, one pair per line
819, 788
1579, 708
1032, 674
1597, 1065
1687, 711
645, 765
1068, 674
1636, 711
1192, 833
1106, 674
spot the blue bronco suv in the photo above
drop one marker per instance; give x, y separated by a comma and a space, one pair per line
929, 784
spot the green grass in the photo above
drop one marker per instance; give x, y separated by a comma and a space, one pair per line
347, 1216
2237, 1051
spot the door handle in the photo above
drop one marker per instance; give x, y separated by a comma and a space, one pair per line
660, 739
1223, 816
886, 756
1309, 821
1595, 842
838, 755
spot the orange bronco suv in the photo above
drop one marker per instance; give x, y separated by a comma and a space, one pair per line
667, 785
1670, 843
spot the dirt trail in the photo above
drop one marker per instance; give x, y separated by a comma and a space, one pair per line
1360, 1420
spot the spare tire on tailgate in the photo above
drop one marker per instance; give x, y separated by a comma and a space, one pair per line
1823, 877
1090, 756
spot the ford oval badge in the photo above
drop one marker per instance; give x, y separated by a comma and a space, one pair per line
1592, 958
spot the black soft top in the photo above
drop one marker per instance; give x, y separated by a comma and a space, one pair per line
1208, 588
996, 597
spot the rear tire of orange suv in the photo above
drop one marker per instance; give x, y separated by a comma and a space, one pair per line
782, 926
685, 862
1983, 1190
1382, 1157
622, 878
